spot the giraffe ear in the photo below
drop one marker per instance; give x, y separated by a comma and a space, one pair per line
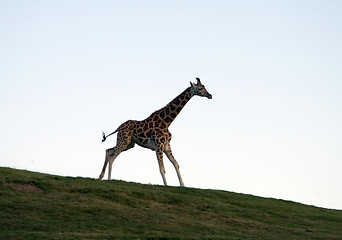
192, 84
198, 81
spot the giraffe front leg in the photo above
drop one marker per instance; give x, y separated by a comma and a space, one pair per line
161, 165
172, 159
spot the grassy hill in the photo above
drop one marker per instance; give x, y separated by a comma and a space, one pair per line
41, 206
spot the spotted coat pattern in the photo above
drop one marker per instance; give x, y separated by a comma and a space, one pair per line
153, 132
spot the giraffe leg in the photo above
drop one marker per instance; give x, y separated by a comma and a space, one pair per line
111, 154
172, 159
161, 165
104, 168
111, 157
124, 142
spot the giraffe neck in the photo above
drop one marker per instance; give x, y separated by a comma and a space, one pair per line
168, 113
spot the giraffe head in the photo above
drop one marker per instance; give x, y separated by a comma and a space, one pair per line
199, 89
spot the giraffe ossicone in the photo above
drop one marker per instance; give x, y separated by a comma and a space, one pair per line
153, 132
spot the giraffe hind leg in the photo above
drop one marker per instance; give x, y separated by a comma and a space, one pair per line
111, 158
130, 145
110, 154
124, 142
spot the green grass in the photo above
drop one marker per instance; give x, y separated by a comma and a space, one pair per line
41, 206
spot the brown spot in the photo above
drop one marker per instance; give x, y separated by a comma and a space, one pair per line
173, 115
162, 114
141, 135
167, 119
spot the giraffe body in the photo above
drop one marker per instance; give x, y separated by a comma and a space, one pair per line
153, 132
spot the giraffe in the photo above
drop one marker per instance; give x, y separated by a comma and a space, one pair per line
153, 132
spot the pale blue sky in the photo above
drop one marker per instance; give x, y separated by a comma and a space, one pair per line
70, 69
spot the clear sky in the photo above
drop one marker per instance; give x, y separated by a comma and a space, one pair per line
70, 69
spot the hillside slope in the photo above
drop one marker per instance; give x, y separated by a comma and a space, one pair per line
41, 206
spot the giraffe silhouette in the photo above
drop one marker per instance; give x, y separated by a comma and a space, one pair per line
153, 132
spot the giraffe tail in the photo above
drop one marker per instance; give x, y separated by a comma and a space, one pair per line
104, 137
